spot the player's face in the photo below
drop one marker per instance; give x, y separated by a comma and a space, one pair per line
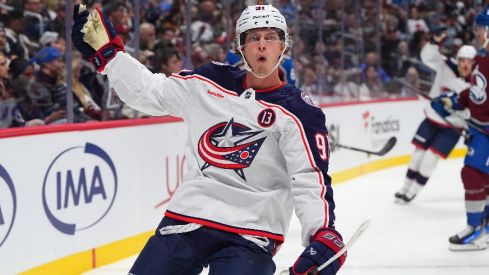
262, 49
480, 33
55, 66
3, 39
465, 67
174, 64
4, 69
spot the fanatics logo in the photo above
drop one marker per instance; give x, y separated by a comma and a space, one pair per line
216, 94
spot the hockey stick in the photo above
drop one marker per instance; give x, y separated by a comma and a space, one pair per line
408, 85
451, 111
352, 241
387, 147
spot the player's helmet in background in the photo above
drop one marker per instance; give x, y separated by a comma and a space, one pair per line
466, 51
483, 18
261, 16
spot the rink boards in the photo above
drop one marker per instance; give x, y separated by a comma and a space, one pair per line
76, 197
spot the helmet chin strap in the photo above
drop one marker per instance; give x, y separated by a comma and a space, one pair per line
248, 68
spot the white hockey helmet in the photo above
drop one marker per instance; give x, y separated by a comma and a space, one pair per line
261, 16
466, 51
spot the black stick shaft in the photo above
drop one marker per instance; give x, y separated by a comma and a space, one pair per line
387, 147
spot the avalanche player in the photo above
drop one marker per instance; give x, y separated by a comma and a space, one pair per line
436, 137
475, 173
257, 148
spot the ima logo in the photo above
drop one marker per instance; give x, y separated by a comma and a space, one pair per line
230, 145
8, 205
79, 188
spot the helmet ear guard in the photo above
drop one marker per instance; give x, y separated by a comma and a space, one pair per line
483, 18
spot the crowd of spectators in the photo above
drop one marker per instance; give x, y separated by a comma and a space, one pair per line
364, 48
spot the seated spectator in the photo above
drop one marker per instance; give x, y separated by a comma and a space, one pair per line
348, 87
4, 67
199, 57
371, 59
309, 83
165, 36
216, 51
22, 75
3, 42
412, 77
14, 28
33, 27
174, 19
167, 61
415, 24
124, 32
51, 39
147, 37
11, 116
372, 87
389, 51
59, 20
155, 11
114, 10
47, 94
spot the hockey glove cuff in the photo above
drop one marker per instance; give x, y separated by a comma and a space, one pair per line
443, 102
438, 36
324, 245
94, 36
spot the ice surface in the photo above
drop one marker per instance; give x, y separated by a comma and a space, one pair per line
401, 240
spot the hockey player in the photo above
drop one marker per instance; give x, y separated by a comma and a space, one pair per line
436, 136
475, 173
257, 148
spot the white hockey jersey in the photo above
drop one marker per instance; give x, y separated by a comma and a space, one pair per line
253, 155
446, 80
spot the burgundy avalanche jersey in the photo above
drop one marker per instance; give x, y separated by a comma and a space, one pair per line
475, 98
253, 155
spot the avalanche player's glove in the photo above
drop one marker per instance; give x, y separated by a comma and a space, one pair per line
94, 36
439, 103
438, 35
324, 245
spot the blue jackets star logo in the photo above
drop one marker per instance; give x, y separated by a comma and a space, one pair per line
229, 145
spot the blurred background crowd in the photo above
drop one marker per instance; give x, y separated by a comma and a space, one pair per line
343, 50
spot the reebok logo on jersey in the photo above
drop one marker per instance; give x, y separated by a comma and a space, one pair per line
247, 95
216, 94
